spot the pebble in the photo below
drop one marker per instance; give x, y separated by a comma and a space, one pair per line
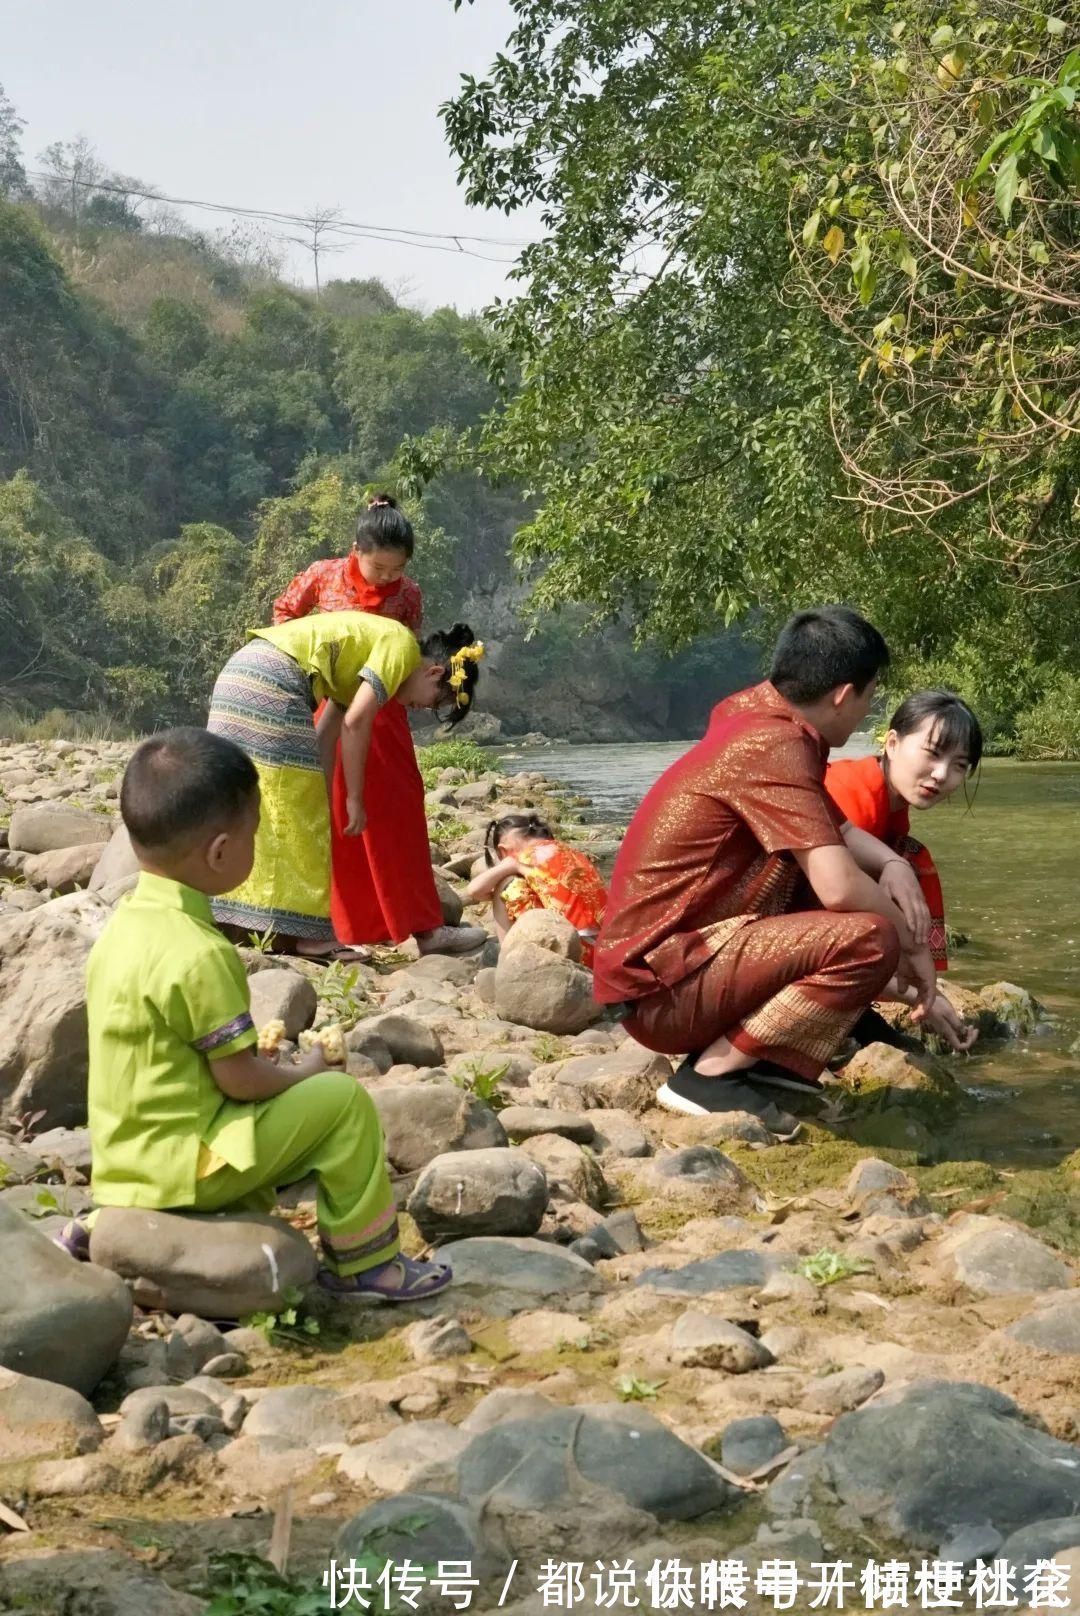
430, 1340
700, 1341
846, 1389
225, 1365
144, 1426
747, 1444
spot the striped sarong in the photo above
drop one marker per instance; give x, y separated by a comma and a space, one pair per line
262, 702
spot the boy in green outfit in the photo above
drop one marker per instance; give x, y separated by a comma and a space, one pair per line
185, 1114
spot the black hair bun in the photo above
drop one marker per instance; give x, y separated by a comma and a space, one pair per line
382, 499
458, 636
443, 643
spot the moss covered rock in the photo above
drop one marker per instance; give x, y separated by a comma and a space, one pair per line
880, 1078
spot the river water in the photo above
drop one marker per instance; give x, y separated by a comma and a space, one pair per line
1006, 863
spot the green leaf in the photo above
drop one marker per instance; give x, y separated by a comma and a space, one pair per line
863, 273
942, 38
1006, 186
907, 261
1055, 27
810, 228
987, 158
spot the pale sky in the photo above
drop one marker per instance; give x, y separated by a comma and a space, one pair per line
271, 104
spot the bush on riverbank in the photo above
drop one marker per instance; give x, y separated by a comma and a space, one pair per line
1050, 730
466, 755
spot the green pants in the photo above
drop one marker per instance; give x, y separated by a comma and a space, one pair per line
328, 1126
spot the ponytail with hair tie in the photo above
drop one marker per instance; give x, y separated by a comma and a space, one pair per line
529, 824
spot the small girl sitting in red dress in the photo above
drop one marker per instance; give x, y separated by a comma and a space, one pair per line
529, 869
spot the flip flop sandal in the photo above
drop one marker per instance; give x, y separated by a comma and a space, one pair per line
418, 1280
344, 954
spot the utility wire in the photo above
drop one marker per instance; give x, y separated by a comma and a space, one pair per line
398, 235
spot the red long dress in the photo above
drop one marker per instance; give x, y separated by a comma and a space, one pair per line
382, 888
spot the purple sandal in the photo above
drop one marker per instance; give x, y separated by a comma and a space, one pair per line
414, 1281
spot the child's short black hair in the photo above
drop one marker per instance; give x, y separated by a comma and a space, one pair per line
825, 647
181, 782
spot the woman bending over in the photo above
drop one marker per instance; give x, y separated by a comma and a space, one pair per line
354, 664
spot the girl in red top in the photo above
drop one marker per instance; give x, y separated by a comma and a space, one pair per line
382, 885
934, 744
529, 869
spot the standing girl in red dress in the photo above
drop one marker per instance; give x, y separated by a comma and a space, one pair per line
382, 886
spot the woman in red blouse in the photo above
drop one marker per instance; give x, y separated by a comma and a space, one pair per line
382, 887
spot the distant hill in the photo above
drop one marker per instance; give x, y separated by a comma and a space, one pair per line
180, 431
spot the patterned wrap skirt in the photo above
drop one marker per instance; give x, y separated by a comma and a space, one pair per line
262, 701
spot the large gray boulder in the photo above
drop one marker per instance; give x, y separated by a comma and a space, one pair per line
725, 1270
479, 1192
544, 929
1052, 1326
43, 1035
623, 1079
282, 994
99, 1582
541, 1463
46, 827
218, 1265
933, 1456
59, 1320
572, 1174
424, 1120
410, 1042
65, 870
506, 1276
424, 1528
539, 989
39, 1419
118, 863
995, 1258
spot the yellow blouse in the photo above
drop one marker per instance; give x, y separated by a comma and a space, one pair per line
342, 650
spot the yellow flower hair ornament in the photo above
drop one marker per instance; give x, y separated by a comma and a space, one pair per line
459, 672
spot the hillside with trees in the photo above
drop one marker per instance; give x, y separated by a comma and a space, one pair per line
180, 432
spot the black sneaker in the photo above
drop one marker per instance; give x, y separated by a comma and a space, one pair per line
692, 1095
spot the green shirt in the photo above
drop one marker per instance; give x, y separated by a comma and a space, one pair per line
164, 991
340, 650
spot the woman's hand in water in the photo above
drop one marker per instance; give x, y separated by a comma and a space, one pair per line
355, 817
900, 883
948, 1024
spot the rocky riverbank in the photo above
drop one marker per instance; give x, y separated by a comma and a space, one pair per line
765, 1337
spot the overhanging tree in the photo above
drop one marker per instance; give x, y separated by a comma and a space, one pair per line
718, 338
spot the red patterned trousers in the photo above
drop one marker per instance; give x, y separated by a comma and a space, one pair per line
786, 988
